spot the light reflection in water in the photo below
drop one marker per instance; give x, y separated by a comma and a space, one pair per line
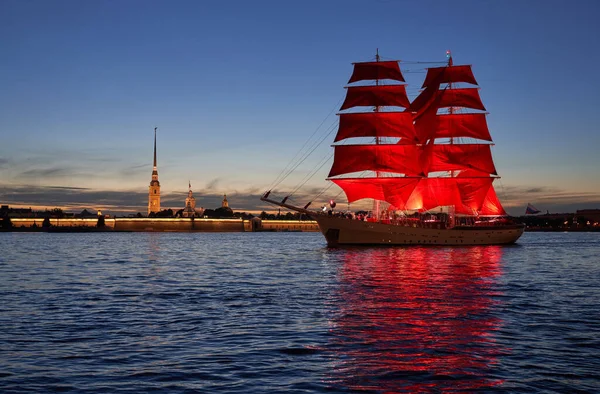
153, 247
416, 319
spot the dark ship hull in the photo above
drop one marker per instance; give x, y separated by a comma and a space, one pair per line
339, 231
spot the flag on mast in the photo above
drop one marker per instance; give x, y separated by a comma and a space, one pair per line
531, 210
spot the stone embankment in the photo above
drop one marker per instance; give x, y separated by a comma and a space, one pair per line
171, 224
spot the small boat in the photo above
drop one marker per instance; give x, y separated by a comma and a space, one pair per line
427, 166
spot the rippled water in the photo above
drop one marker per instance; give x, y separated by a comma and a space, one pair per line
279, 312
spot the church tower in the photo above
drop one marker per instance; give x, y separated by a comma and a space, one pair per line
190, 203
224, 204
154, 188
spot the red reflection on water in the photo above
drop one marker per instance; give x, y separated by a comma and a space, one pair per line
416, 319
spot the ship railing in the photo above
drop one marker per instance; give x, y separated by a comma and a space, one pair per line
397, 221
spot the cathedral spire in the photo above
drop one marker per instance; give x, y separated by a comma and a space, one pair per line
155, 147
154, 188
155, 168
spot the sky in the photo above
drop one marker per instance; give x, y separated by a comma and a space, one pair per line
236, 88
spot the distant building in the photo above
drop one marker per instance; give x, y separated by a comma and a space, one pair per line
190, 205
5, 211
225, 204
154, 188
591, 215
85, 214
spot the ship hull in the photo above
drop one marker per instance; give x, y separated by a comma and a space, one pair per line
340, 231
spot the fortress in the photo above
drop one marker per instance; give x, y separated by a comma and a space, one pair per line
189, 210
187, 219
160, 225
192, 219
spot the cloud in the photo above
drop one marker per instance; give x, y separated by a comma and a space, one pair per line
72, 197
212, 184
60, 166
543, 190
132, 171
554, 199
67, 187
47, 172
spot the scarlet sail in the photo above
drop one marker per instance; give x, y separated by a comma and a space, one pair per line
395, 158
468, 195
491, 205
438, 75
412, 159
376, 71
403, 169
458, 125
459, 157
464, 97
376, 96
394, 190
376, 124
435, 99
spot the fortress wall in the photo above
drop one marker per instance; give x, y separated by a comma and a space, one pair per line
180, 224
28, 222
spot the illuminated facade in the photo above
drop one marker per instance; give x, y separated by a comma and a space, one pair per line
190, 204
225, 204
154, 188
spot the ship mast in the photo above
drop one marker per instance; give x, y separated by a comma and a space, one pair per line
377, 203
377, 156
451, 109
451, 218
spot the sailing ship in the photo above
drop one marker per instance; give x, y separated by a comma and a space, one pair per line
429, 187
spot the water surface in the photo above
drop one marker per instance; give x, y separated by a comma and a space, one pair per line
280, 312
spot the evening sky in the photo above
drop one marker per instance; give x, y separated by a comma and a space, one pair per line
237, 87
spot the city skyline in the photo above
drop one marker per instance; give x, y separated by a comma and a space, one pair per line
236, 89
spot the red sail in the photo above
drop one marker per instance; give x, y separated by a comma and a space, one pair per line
359, 188
463, 97
430, 126
393, 190
472, 194
438, 75
376, 124
416, 154
463, 125
384, 158
433, 99
426, 126
423, 100
466, 194
434, 192
376, 96
376, 70
491, 205
458, 157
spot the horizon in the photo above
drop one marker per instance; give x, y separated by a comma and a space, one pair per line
113, 213
236, 91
